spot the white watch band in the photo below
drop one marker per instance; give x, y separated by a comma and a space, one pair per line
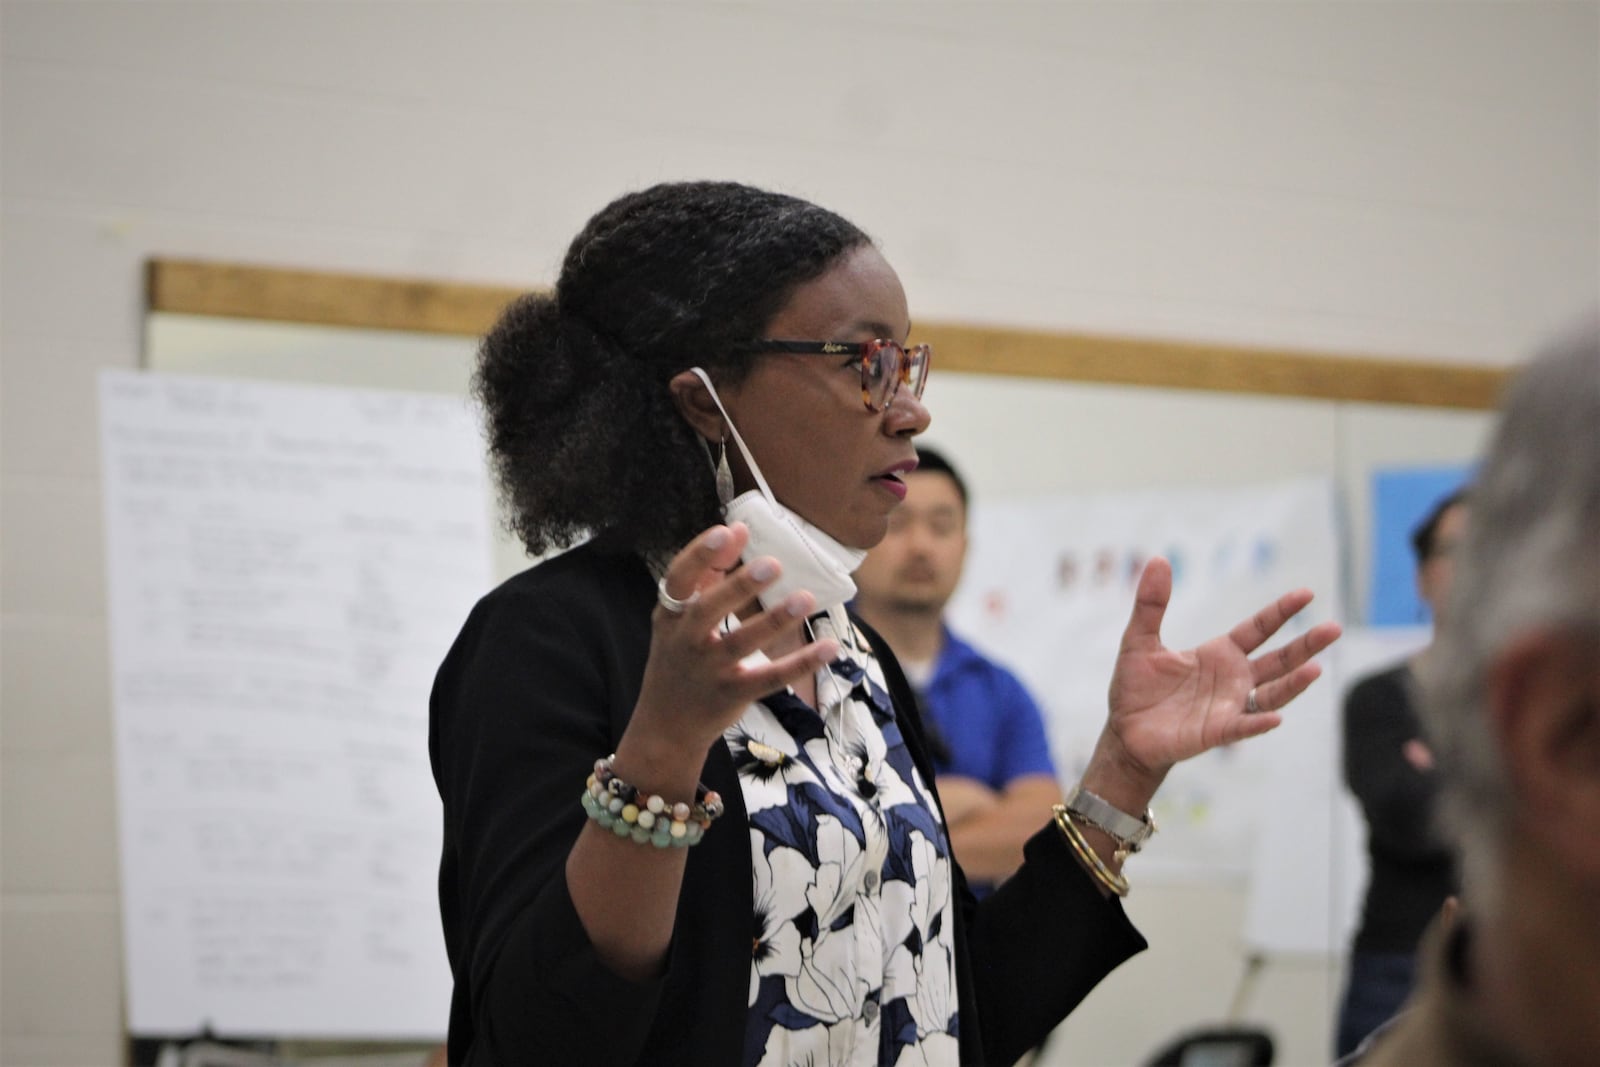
1130, 832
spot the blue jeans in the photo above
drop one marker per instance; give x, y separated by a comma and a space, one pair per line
1378, 986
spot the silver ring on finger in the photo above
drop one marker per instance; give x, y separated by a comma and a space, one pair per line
673, 605
1250, 705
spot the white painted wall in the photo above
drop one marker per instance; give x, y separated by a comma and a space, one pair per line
1386, 178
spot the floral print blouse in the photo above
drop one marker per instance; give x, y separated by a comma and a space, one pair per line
853, 962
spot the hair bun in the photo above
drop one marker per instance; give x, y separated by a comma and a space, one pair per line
561, 354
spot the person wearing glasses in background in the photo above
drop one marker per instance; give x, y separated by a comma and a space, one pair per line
689, 816
995, 776
1389, 767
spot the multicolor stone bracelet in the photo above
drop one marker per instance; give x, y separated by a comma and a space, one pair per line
647, 818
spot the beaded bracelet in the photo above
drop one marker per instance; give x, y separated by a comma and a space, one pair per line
1112, 880
644, 817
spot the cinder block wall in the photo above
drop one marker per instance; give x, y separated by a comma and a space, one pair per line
1397, 179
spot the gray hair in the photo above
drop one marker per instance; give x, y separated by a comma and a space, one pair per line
1530, 559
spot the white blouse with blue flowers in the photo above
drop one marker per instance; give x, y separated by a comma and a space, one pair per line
854, 958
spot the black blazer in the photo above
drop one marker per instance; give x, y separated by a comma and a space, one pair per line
541, 682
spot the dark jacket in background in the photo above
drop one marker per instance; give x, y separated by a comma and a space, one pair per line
1413, 870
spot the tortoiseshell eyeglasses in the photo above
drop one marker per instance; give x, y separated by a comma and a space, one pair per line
885, 365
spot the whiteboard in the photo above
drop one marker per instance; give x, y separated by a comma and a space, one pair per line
287, 565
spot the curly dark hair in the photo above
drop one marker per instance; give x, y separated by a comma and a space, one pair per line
582, 430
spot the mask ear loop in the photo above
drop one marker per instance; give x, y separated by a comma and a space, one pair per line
836, 614
750, 461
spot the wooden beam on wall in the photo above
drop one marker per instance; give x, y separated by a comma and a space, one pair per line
1220, 368
369, 302
324, 298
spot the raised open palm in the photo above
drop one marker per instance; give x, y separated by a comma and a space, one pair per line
1168, 706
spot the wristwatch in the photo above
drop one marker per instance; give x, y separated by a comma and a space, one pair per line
1130, 833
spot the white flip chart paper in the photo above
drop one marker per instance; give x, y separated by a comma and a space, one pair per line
287, 565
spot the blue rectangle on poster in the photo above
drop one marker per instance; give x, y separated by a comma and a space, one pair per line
1401, 499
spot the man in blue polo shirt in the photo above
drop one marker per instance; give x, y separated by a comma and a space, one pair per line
996, 778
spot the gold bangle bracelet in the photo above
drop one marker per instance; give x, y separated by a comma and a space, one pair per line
1111, 880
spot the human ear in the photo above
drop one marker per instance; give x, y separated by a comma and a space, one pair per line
1544, 701
694, 403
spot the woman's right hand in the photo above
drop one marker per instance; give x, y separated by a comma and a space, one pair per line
696, 683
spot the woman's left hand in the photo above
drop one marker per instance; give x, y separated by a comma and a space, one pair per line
1168, 706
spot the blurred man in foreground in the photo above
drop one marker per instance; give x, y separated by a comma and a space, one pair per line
1512, 703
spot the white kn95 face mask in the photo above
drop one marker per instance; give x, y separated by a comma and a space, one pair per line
811, 559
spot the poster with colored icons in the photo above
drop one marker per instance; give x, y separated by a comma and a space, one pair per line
1048, 588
